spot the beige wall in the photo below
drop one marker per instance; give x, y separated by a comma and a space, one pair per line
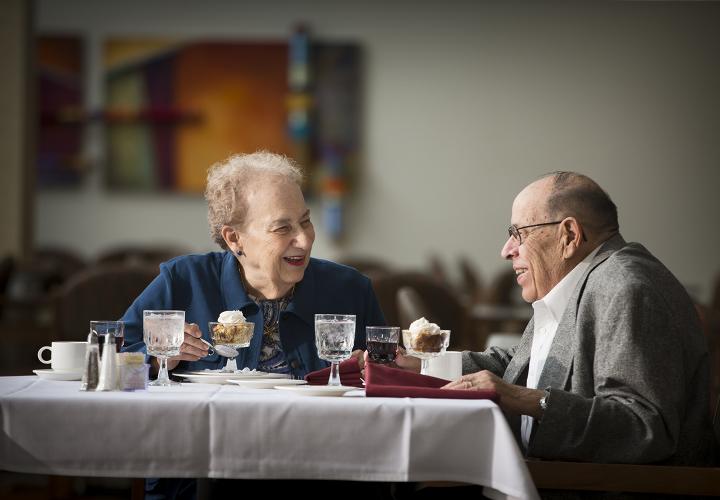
466, 102
13, 87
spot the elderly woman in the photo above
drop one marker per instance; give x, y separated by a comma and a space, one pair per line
258, 216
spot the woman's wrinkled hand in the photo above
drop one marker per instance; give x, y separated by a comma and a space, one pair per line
192, 348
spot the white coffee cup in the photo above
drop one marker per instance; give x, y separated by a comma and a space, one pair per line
65, 356
447, 365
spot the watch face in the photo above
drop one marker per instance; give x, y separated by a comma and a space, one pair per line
543, 401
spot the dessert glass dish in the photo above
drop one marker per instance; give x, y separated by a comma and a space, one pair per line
227, 338
425, 344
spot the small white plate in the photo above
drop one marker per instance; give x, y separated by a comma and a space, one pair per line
58, 374
254, 374
204, 379
317, 390
266, 383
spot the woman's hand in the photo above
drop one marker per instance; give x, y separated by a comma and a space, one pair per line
192, 349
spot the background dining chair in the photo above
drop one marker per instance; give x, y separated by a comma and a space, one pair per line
438, 272
438, 303
471, 285
410, 306
98, 293
369, 266
715, 298
140, 254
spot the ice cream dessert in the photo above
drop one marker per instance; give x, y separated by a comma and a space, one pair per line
425, 336
231, 317
232, 329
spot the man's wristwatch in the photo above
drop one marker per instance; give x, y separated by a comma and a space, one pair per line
544, 399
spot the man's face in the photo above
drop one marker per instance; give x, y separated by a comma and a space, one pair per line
538, 260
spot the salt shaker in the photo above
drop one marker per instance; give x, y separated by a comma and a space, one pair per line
91, 373
108, 365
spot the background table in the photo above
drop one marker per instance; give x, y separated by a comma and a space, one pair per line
224, 431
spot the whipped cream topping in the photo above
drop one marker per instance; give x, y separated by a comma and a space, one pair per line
231, 317
423, 325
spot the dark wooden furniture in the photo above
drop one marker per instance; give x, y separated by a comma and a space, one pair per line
140, 255
101, 292
441, 304
652, 479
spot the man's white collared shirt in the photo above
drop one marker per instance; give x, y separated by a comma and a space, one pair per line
547, 313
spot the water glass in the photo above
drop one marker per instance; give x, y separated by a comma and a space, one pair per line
164, 332
334, 339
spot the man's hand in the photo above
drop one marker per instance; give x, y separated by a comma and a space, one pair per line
402, 361
192, 349
406, 362
358, 354
513, 398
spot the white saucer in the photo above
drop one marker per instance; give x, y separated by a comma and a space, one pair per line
266, 383
317, 390
58, 374
253, 374
205, 379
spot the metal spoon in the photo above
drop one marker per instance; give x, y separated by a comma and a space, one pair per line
222, 350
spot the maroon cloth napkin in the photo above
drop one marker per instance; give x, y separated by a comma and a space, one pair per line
349, 374
385, 382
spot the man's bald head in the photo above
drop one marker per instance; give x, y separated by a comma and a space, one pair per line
577, 195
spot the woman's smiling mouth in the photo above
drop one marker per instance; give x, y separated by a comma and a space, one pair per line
295, 260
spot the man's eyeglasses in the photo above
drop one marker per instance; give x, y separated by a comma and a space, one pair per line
514, 231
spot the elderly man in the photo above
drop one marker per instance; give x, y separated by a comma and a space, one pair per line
613, 367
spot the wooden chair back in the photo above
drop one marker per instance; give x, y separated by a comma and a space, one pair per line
140, 255
410, 305
471, 284
440, 303
98, 293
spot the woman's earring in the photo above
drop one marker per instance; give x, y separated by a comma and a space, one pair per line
239, 253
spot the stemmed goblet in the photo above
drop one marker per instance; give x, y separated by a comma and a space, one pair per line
334, 339
163, 333
424, 346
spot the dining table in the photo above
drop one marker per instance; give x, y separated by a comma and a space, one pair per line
226, 431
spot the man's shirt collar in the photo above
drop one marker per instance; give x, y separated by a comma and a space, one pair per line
552, 306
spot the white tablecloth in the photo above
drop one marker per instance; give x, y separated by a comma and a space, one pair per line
199, 430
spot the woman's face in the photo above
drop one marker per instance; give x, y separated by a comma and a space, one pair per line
277, 236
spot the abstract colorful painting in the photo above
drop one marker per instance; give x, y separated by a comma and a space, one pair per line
60, 118
175, 108
336, 69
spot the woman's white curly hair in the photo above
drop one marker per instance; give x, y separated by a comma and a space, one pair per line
226, 182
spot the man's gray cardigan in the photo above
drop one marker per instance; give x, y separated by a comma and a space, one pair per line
628, 369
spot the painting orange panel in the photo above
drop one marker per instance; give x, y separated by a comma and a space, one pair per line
241, 91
